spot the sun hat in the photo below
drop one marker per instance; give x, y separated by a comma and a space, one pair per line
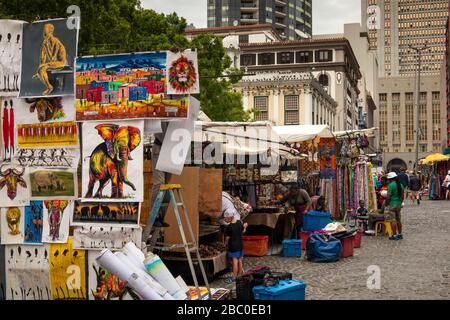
391, 175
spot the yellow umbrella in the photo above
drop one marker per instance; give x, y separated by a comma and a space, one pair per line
437, 157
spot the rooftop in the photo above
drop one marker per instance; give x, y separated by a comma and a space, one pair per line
255, 27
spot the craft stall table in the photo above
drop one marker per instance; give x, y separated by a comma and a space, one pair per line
281, 224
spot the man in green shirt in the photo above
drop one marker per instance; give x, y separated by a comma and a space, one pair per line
393, 204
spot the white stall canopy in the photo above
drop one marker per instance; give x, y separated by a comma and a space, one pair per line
243, 137
293, 134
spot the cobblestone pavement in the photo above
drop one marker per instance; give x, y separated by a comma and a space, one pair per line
417, 267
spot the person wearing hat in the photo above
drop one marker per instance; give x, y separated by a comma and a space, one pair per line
446, 184
393, 205
235, 243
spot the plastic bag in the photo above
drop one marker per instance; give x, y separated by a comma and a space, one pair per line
323, 248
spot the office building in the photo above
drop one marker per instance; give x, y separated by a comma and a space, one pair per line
393, 26
291, 19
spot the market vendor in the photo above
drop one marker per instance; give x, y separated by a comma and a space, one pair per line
299, 199
228, 207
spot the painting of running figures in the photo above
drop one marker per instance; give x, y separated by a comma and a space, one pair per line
113, 161
125, 86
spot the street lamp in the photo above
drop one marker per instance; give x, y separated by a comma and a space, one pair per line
418, 50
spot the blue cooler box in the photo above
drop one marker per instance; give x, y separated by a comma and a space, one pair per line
315, 220
284, 290
292, 248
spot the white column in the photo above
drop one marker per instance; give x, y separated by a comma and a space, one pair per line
308, 106
276, 108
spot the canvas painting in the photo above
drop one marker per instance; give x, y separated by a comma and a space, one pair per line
56, 220
106, 213
11, 224
48, 158
8, 141
33, 225
113, 161
182, 72
99, 238
46, 184
44, 110
67, 272
27, 272
10, 56
47, 135
2, 274
125, 86
102, 284
14, 186
48, 58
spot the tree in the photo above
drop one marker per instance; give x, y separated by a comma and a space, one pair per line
118, 26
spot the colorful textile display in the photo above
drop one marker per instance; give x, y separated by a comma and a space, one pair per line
327, 154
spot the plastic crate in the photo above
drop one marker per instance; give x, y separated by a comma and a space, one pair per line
347, 246
280, 276
315, 220
292, 248
304, 236
256, 246
284, 290
358, 238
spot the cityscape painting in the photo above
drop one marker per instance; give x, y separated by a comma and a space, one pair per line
125, 86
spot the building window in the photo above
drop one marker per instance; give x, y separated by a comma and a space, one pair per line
436, 118
248, 59
324, 81
285, 57
409, 110
291, 111
324, 55
243, 38
266, 58
304, 56
261, 108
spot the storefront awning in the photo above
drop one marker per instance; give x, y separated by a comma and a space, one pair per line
293, 134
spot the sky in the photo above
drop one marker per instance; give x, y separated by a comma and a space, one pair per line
329, 16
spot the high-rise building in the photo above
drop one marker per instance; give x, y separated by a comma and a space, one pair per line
396, 24
292, 19
393, 26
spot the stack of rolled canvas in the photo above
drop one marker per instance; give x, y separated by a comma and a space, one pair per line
147, 276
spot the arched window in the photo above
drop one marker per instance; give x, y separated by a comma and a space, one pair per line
324, 81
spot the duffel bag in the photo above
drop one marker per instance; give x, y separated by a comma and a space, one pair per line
323, 248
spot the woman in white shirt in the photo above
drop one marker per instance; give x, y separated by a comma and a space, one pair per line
446, 184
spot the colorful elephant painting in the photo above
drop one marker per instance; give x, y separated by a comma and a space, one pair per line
109, 160
55, 213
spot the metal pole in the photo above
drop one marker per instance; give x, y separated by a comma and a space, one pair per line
419, 53
419, 57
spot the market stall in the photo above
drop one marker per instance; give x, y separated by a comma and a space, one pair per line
434, 168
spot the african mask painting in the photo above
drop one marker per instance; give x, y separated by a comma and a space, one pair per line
14, 186
67, 272
182, 73
48, 59
11, 225
113, 161
10, 56
125, 86
56, 221
27, 272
